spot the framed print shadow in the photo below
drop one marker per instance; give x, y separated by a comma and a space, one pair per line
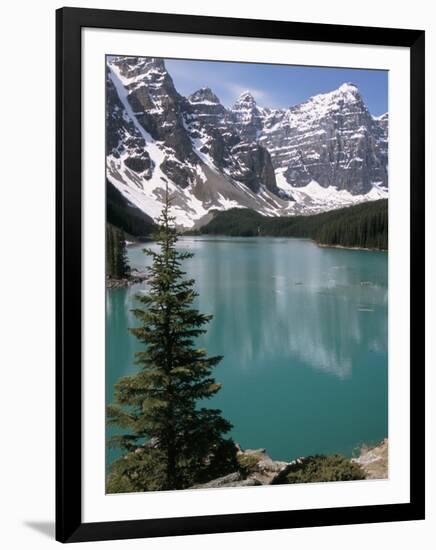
240, 275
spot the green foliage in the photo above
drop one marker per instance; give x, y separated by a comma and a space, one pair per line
364, 225
221, 462
159, 404
319, 468
142, 469
124, 215
236, 222
247, 462
117, 264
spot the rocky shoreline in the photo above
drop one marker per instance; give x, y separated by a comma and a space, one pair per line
374, 460
322, 245
134, 278
258, 468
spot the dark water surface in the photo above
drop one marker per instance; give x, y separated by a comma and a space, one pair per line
304, 334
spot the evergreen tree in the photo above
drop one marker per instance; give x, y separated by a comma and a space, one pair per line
362, 225
110, 269
122, 268
117, 263
171, 441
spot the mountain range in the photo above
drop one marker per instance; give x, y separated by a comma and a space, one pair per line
325, 153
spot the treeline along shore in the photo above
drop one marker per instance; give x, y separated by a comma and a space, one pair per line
362, 226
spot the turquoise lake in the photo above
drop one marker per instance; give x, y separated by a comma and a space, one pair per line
304, 335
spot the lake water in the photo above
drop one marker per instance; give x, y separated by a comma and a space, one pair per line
304, 334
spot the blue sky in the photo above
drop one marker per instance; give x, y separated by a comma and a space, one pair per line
276, 85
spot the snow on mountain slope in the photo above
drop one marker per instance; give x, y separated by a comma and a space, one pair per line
330, 138
325, 153
313, 198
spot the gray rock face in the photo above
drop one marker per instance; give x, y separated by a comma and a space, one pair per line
230, 139
221, 158
122, 136
255, 167
257, 468
248, 116
332, 139
206, 100
156, 105
230, 480
209, 126
260, 467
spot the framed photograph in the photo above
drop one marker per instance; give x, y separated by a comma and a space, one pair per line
240, 275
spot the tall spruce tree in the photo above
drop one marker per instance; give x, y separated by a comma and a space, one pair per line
170, 441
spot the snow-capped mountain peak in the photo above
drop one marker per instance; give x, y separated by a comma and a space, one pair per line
133, 69
204, 95
349, 88
246, 98
326, 152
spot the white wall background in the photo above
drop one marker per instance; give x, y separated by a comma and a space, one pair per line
27, 210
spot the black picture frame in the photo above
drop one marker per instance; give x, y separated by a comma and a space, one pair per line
69, 525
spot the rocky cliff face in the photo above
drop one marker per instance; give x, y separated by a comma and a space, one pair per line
331, 139
229, 141
324, 153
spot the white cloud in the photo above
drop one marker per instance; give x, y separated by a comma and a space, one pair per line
262, 97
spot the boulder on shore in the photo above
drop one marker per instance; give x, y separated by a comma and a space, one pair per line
230, 480
134, 278
256, 467
374, 460
260, 467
